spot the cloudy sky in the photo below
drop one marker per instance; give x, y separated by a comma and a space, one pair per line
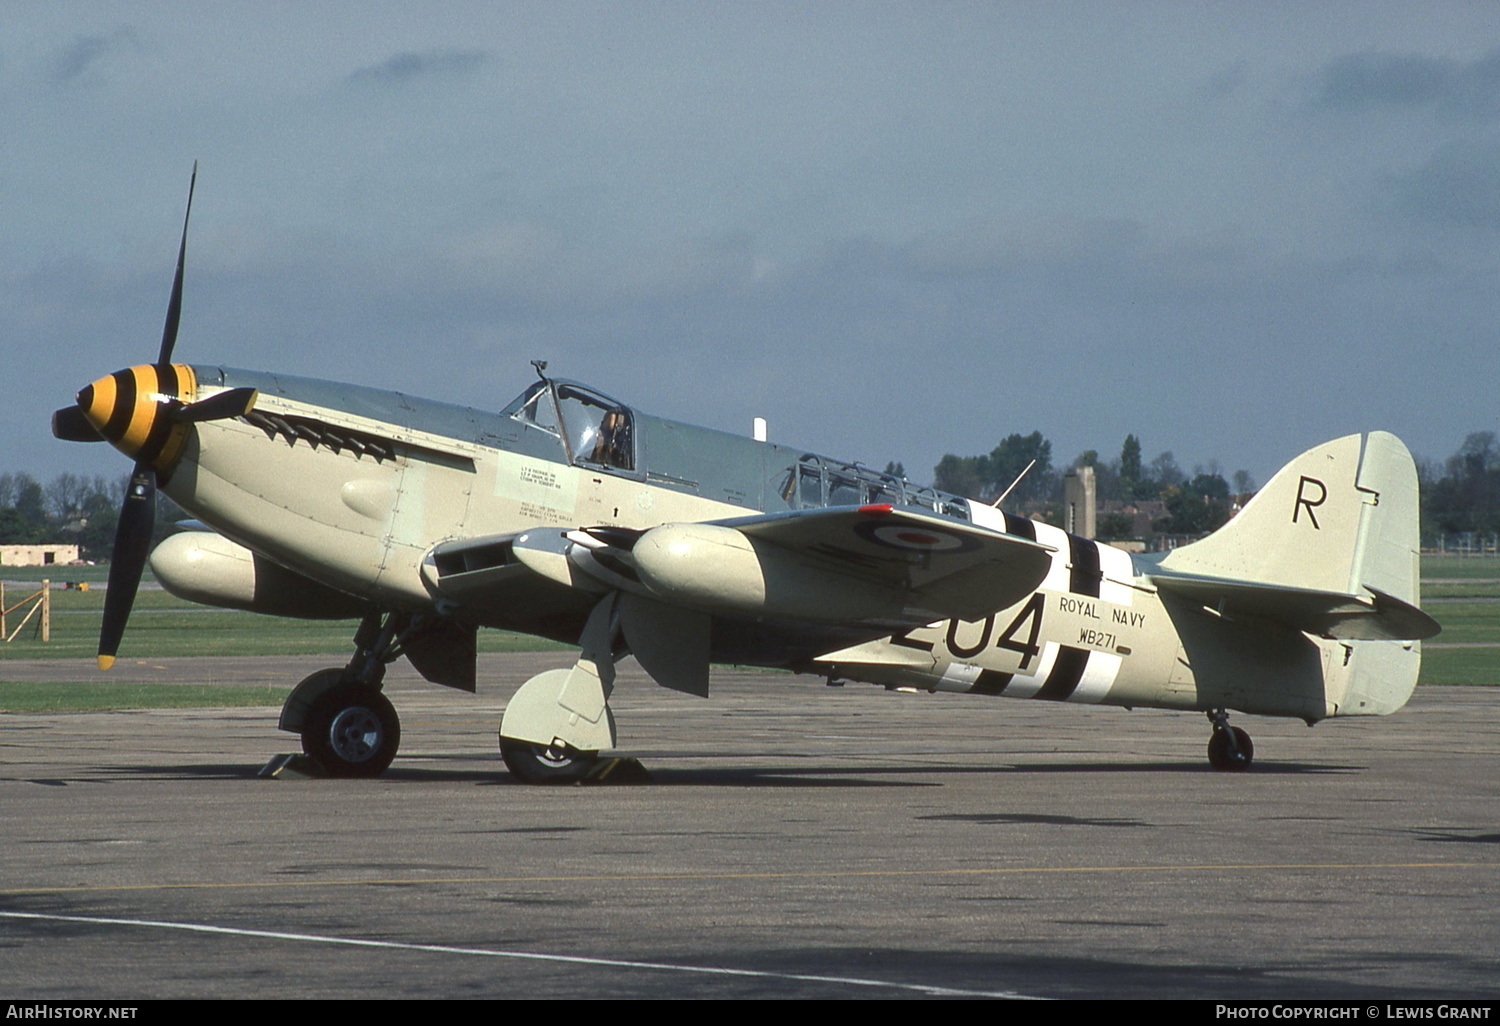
896, 230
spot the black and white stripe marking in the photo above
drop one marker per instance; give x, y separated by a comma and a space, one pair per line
1060, 673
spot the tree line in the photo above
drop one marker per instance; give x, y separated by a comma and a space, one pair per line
1463, 493
1191, 503
1459, 494
72, 509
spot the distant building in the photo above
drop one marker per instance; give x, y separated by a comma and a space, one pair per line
38, 555
1080, 507
1141, 513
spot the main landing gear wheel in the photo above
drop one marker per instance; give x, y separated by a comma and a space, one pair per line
1230, 749
532, 763
351, 731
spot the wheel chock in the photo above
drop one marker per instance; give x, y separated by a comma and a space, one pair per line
292, 767
619, 769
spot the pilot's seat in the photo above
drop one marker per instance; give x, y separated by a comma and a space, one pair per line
612, 443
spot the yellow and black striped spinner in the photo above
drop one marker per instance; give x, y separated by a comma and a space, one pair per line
133, 409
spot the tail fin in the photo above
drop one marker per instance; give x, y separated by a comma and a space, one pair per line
1330, 546
1340, 518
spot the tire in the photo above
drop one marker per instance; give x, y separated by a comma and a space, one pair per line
295, 710
540, 764
1222, 753
351, 732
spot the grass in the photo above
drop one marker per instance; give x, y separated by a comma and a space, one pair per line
1467, 589
1468, 622
163, 626
1461, 566
57, 573
1460, 666
39, 697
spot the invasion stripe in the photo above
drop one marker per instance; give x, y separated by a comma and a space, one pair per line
1098, 677
1118, 571
991, 682
1085, 577
1020, 526
1026, 683
1067, 671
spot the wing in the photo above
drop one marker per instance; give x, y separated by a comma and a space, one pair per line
879, 564
908, 564
877, 568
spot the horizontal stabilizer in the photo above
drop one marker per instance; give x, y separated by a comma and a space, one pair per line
1374, 616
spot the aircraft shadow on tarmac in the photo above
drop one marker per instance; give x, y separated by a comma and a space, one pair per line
1455, 836
800, 775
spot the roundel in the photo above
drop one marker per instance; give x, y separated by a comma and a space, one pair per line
913, 537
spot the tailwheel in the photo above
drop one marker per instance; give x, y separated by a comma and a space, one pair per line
557, 763
351, 731
1230, 749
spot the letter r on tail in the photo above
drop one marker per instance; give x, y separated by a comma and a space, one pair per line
1304, 498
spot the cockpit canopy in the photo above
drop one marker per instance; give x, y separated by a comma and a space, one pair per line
817, 481
594, 429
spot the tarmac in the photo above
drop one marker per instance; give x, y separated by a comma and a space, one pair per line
794, 840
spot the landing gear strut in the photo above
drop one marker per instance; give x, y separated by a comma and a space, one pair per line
347, 726
1230, 749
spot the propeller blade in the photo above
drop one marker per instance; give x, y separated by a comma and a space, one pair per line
132, 542
236, 402
70, 425
174, 305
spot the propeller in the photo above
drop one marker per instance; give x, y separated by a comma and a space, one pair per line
138, 513
144, 411
174, 305
132, 543
232, 402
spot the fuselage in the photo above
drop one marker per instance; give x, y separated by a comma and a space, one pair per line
353, 488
